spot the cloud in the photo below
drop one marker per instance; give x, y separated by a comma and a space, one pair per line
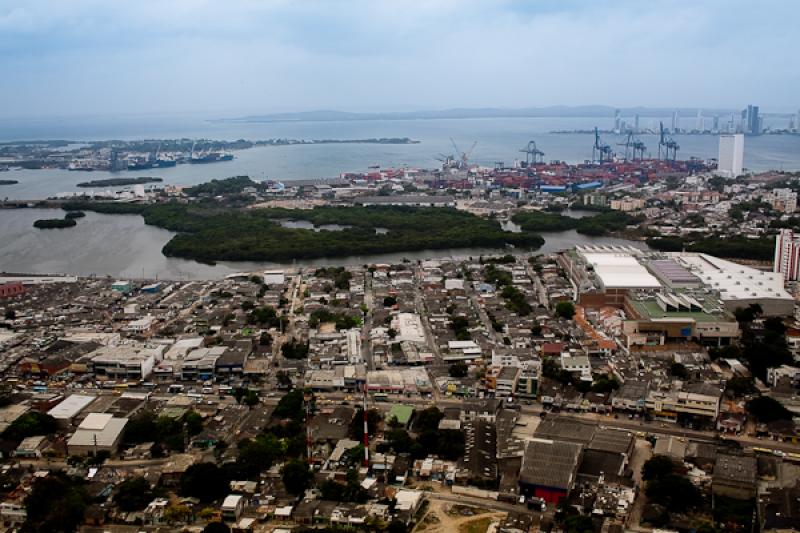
248, 56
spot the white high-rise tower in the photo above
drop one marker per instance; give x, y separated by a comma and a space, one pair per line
730, 162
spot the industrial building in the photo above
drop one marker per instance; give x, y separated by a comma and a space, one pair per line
66, 411
127, 361
549, 469
675, 282
98, 432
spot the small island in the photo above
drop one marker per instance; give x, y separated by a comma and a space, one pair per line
8, 182
119, 182
74, 214
54, 223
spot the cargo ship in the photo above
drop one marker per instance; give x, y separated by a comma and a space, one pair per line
210, 157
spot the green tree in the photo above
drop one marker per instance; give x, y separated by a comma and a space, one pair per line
56, 503
677, 370
194, 423
296, 476
290, 406
10, 314
766, 409
204, 481
216, 527
427, 419
565, 310
30, 424
673, 491
133, 494
656, 467
458, 370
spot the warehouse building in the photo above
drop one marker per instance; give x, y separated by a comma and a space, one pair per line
549, 469
98, 432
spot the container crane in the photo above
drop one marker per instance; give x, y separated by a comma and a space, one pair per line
634, 147
667, 145
463, 156
601, 152
532, 154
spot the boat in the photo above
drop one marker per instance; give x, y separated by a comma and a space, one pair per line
165, 163
210, 157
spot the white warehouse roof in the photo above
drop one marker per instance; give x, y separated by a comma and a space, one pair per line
620, 270
71, 406
734, 281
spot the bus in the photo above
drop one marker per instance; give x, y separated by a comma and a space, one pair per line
381, 397
225, 390
175, 388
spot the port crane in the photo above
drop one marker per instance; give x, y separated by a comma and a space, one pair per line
532, 154
601, 152
463, 156
668, 144
634, 147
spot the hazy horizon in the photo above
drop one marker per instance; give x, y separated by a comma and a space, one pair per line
242, 57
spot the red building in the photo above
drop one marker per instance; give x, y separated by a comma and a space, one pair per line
9, 290
549, 469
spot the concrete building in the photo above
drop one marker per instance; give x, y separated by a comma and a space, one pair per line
408, 200
127, 361
232, 507
673, 403
735, 477
549, 469
409, 328
66, 411
783, 200
730, 162
98, 432
787, 255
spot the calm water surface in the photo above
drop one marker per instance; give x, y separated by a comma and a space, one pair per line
123, 246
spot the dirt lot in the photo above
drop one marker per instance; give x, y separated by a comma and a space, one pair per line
443, 517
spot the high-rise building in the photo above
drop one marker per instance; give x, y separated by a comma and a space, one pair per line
730, 162
700, 122
751, 122
636, 122
617, 124
715, 123
787, 255
675, 121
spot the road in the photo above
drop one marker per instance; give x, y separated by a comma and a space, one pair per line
369, 302
478, 502
656, 428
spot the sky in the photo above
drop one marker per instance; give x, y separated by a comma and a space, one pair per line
236, 57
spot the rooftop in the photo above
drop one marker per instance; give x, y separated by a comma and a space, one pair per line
550, 463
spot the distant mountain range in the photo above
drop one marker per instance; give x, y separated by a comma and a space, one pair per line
488, 112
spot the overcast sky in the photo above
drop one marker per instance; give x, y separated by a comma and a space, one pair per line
73, 57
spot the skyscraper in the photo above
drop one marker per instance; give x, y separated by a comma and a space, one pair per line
730, 162
675, 121
617, 125
700, 122
636, 122
751, 122
787, 255
715, 123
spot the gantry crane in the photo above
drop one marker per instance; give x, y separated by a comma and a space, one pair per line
633, 147
532, 154
667, 145
601, 152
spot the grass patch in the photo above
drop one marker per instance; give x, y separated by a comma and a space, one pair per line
479, 525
